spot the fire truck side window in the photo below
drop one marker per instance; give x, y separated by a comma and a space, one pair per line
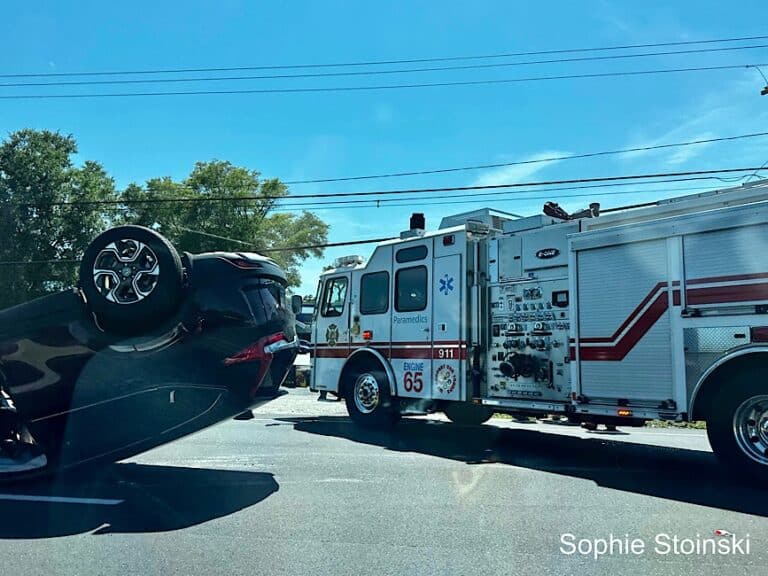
411, 289
411, 254
333, 299
374, 293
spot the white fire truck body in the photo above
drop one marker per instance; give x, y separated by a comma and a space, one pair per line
619, 318
663, 303
410, 333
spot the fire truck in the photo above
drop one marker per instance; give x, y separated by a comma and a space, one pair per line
657, 311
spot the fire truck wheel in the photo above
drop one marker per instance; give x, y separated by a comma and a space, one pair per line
738, 426
369, 402
467, 414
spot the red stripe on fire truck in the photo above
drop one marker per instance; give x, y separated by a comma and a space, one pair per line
724, 294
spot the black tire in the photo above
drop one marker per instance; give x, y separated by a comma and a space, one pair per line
728, 425
382, 413
122, 309
468, 414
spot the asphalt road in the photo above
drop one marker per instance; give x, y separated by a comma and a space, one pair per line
300, 490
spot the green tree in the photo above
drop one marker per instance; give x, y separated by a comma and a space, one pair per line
51, 209
211, 210
36, 173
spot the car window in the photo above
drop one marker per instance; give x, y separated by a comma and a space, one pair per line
264, 300
334, 297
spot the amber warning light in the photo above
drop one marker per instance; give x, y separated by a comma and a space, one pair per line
624, 412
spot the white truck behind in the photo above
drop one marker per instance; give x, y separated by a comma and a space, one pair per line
658, 312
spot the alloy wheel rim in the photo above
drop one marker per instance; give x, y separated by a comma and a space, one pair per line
750, 426
126, 271
366, 393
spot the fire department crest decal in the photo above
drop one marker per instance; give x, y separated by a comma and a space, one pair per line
445, 379
332, 335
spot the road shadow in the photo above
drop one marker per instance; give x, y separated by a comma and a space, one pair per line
691, 476
154, 499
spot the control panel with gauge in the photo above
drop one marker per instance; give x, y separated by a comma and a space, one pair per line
528, 350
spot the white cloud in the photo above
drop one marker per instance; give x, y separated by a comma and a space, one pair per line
673, 156
726, 110
683, 154
696, 127
519, 172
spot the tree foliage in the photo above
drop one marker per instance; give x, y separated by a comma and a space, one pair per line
36, 172
209, 210
214, 209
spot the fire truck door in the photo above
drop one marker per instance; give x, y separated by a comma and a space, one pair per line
449, 348
411, 348
332, 331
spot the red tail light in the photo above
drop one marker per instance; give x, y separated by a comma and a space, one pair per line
254, 351
275, 338
243, 263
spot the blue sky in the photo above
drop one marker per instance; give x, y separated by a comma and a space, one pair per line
297, 136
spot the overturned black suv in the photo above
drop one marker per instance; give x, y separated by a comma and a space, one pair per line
151, 346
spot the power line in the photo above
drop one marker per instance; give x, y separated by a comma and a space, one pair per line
405, 201
40, 262
281, 249
475, 201
376, 72
328, 245
448, 170
446, 200
523, 162
477, 167
380, 62
754, 174
356, 242
625, 73
761, 73
261, 250
338, 244
681, 176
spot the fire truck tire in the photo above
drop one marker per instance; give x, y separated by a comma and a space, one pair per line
737, 426
468, 414
369, 403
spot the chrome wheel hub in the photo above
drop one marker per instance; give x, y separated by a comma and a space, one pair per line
126, 271
366, 393
750, 426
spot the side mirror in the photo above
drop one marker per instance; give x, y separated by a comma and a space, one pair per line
296, 303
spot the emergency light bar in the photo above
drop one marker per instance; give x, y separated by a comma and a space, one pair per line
348, 261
